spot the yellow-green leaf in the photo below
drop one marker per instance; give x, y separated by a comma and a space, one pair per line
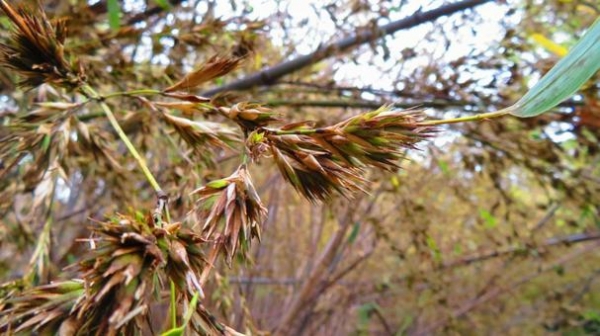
565, 78
114, 14
549, 45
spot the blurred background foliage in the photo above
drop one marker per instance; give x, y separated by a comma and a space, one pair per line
489, 228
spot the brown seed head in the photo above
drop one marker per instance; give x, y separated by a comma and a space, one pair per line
36, 50
236, 212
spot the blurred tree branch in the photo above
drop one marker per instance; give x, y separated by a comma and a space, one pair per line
271, 75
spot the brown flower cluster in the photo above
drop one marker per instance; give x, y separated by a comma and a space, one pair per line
234, 214
249, 116
320, 162
129, 261
36, 50
199, 133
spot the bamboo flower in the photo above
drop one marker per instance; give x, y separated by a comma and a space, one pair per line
236, 212
36, 50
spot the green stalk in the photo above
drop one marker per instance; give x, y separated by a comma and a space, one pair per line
91, 93
297, 132
173, 306
477, 117
132, 93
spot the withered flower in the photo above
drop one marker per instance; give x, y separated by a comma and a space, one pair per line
311, 170
185, 260
119, 276
319, 162
249, 116
378, 138
36, 50
236, 212
216, 66
197, 134
43, 309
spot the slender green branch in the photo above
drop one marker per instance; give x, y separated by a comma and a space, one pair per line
307, 131
132, 93
173, 306
477, 117
92, 94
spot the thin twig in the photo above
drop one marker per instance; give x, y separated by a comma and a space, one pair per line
91, 93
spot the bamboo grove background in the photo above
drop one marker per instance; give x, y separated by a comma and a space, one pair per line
291, 193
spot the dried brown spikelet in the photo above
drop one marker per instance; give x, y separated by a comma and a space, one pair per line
43, 309
215, 67
119, 272
324, 161
235, 216
119, 275
378, 138
249, 116
185, 260
36, 50
312, 171
197, 134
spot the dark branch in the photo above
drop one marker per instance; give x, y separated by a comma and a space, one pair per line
271, 75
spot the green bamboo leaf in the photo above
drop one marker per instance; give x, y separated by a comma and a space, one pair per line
180, 331
114, 14
490, 221
218, 184
164, 4
354, 233
565, 78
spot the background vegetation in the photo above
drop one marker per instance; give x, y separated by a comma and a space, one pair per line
490, 227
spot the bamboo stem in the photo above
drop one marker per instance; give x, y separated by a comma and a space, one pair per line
132, 93
89, 91
477, 117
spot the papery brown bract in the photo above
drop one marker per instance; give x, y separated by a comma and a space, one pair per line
249, 116
315, 174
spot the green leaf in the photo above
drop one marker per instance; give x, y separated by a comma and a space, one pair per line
565, 78
434, 249
174, 332
191, 309
164, 4
46, 142
444, 167
354, 233
179, 331
114, 14
364, 314
218, 184
489, 219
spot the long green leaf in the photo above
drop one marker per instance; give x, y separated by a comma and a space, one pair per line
180, 331
565, 78
114, 14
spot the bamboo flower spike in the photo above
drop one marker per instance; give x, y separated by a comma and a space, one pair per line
236, 213
119, 275
319, 162
36, 50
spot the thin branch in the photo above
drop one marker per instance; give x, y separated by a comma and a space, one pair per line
286, 323
497, 291
271, 75
571, 239
556, 241
363, 104
89, 91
